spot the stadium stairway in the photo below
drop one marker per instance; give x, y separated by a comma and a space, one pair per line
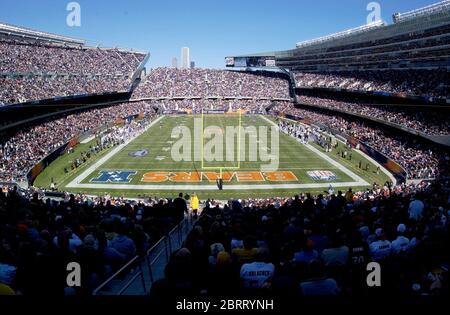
137, 276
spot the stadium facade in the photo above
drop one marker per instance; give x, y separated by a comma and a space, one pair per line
416, 40
404, 62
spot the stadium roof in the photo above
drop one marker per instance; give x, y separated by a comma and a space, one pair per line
22, 32
416, 21
13, 30
350, 32
431, 9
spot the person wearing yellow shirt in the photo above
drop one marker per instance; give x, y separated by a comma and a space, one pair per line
194, 204
247, 253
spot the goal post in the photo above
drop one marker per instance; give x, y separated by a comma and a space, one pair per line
220, 168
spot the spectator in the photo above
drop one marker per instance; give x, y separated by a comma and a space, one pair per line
401, 243
258, 274
180, 207
337, 255
415, 209
307, 254
122, 243
248, 252
318, 284
381, 248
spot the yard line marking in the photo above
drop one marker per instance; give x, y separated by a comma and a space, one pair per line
191, 170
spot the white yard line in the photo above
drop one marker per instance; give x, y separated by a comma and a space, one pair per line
337, 165
105, 158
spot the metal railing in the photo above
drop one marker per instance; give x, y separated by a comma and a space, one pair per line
145, 270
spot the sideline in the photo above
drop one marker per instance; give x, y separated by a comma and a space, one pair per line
74, 183
325, 157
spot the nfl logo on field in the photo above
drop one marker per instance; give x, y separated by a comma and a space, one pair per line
322, 175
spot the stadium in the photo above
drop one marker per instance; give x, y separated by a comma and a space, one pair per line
286, 173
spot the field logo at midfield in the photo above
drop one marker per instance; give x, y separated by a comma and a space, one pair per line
138, 153
238, 176
227, 144
322, 175
114, 177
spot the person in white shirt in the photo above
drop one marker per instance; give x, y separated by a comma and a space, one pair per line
380, 249
259, 274
401, 243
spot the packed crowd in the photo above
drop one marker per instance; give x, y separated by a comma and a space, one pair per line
198, 105
22, 150
316, 246
433, 83
32, 88
34, 70
171, 82
420, 161
365, 61
428, 122
40, 236
26, 56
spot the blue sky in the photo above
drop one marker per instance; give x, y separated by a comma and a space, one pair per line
212, 29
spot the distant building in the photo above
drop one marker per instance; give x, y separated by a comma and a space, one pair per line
185, 57
192, 64
174, 62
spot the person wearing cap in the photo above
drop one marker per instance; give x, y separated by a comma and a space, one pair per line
380, 249
401, 243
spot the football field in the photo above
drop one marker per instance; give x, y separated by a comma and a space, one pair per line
190, 153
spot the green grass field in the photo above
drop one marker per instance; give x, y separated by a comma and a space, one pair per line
157, 172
